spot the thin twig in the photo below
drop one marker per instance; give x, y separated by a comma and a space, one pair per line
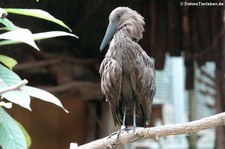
73, 60
155, 132
32, 65
14, 87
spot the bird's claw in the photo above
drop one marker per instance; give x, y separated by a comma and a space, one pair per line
112, 134
123, 128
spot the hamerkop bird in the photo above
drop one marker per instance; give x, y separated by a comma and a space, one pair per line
127, 73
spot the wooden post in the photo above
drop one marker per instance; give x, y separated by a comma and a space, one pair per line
220, 86
189, 63
192, 139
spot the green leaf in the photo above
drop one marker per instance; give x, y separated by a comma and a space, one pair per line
38, 14
3, 28
26, 135
44, 95
9, 25
40, 36
51, 34
20, 35
9, 78
11, 136
8, 61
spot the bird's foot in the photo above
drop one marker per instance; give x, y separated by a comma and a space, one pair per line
112, 134
123, 128
134, 129
117, 133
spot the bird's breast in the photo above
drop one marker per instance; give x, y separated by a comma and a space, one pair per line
126, 54
124, 51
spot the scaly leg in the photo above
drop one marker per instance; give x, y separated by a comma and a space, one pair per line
124, 117
134, 116
123, 127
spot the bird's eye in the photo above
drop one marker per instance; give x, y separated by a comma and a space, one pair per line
119, 15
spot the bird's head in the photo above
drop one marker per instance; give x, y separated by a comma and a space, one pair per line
131, 22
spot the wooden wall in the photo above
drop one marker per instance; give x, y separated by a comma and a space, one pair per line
193, 32
50, 127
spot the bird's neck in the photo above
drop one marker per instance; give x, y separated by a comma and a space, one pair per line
122, 45
133, 31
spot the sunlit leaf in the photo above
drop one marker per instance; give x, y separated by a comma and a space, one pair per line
9, 25
40, 36
25, 133
8, 61
38, 14
3, 28
11, 135
51, 34
9, 78
20, 35
44, 95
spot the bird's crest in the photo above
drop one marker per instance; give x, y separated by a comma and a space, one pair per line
128, 20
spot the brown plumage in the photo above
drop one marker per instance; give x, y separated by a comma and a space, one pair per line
127, 73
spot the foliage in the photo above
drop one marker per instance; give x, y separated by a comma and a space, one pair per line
13, 90
11, 135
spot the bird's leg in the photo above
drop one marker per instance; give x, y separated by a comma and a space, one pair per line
123, 127
124, 117
134, 116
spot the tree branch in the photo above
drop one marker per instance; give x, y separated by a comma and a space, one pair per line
37, 64
155, 132
14, 87
82, 89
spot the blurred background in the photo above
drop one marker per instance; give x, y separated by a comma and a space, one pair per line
186, 42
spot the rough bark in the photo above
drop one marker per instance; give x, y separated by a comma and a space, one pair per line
154, 132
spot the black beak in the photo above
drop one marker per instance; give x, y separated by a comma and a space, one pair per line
111, 30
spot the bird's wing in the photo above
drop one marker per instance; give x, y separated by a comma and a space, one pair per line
111, 76
144, 77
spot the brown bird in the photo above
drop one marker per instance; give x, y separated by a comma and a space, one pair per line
127, 72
